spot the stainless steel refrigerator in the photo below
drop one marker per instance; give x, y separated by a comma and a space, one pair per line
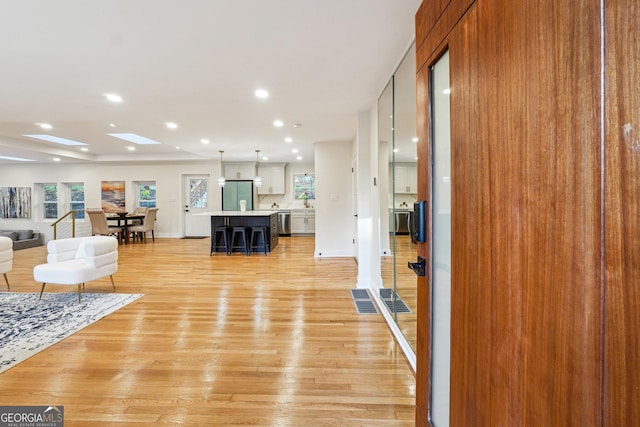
233, 192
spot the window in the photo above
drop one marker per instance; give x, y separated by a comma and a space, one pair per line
76, 197
198, 195
304, 187
50, 201
146, 194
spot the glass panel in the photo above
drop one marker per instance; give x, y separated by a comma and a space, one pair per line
198, 196
441, 244
398, 191
405, 297
385, 166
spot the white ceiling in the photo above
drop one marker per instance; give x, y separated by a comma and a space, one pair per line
197, 63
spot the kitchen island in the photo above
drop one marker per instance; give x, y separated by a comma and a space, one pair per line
246, 219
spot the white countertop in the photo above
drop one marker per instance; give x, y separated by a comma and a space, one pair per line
238, 213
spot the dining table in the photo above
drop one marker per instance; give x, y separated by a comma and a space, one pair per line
125, 221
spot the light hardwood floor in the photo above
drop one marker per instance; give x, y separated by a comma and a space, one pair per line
261, 340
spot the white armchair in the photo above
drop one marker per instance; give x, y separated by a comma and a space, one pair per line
78, 260
6, 257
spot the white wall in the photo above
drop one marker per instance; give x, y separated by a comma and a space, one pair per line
333, 204
168, 178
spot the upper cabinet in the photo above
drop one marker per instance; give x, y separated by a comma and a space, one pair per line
272, 179
406, 179
236, 171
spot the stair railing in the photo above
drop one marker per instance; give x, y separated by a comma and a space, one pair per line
60, 222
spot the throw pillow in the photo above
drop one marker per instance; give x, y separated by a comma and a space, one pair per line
11, 234
25, 234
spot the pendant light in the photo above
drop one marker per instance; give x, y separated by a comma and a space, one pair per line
257, 180
221, 180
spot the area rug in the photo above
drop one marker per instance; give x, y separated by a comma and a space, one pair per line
28, 325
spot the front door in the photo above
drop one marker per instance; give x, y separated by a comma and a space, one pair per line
196, 200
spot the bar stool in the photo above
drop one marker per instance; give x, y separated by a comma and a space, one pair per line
259, 233
239, 233
220, 240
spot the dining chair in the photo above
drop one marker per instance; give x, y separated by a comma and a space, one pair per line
148, 224
100, 226
140, 210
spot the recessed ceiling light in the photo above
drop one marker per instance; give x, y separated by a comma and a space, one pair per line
84, 149
16, 159
56, 139
177, 148
261, 93
56, 159
415, 139
299, 158
130, 148
112, 125
171, 125
395, 150
44, 125
204, 141
113, 97
288, 139
278, 123
132, 137
265, 158
295, 150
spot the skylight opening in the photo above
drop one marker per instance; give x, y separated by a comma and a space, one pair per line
16, 159
132, 137
55, 139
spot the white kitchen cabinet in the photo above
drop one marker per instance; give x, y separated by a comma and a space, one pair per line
406, 179
303, 221
235, 171
272, 179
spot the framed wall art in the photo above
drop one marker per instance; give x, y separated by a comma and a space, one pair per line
113, 199
15, 202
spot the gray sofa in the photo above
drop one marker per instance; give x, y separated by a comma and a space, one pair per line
23, 239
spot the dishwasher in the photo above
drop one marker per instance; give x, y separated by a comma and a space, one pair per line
284, 223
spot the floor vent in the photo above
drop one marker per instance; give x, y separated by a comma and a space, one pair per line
360, 294
362, 301
400, 306
386, 293
365, 306
394, 303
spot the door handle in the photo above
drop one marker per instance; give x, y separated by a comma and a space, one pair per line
419, 266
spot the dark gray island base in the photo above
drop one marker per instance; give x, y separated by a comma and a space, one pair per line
226, 227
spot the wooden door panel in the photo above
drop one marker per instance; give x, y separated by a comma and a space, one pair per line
527, 211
